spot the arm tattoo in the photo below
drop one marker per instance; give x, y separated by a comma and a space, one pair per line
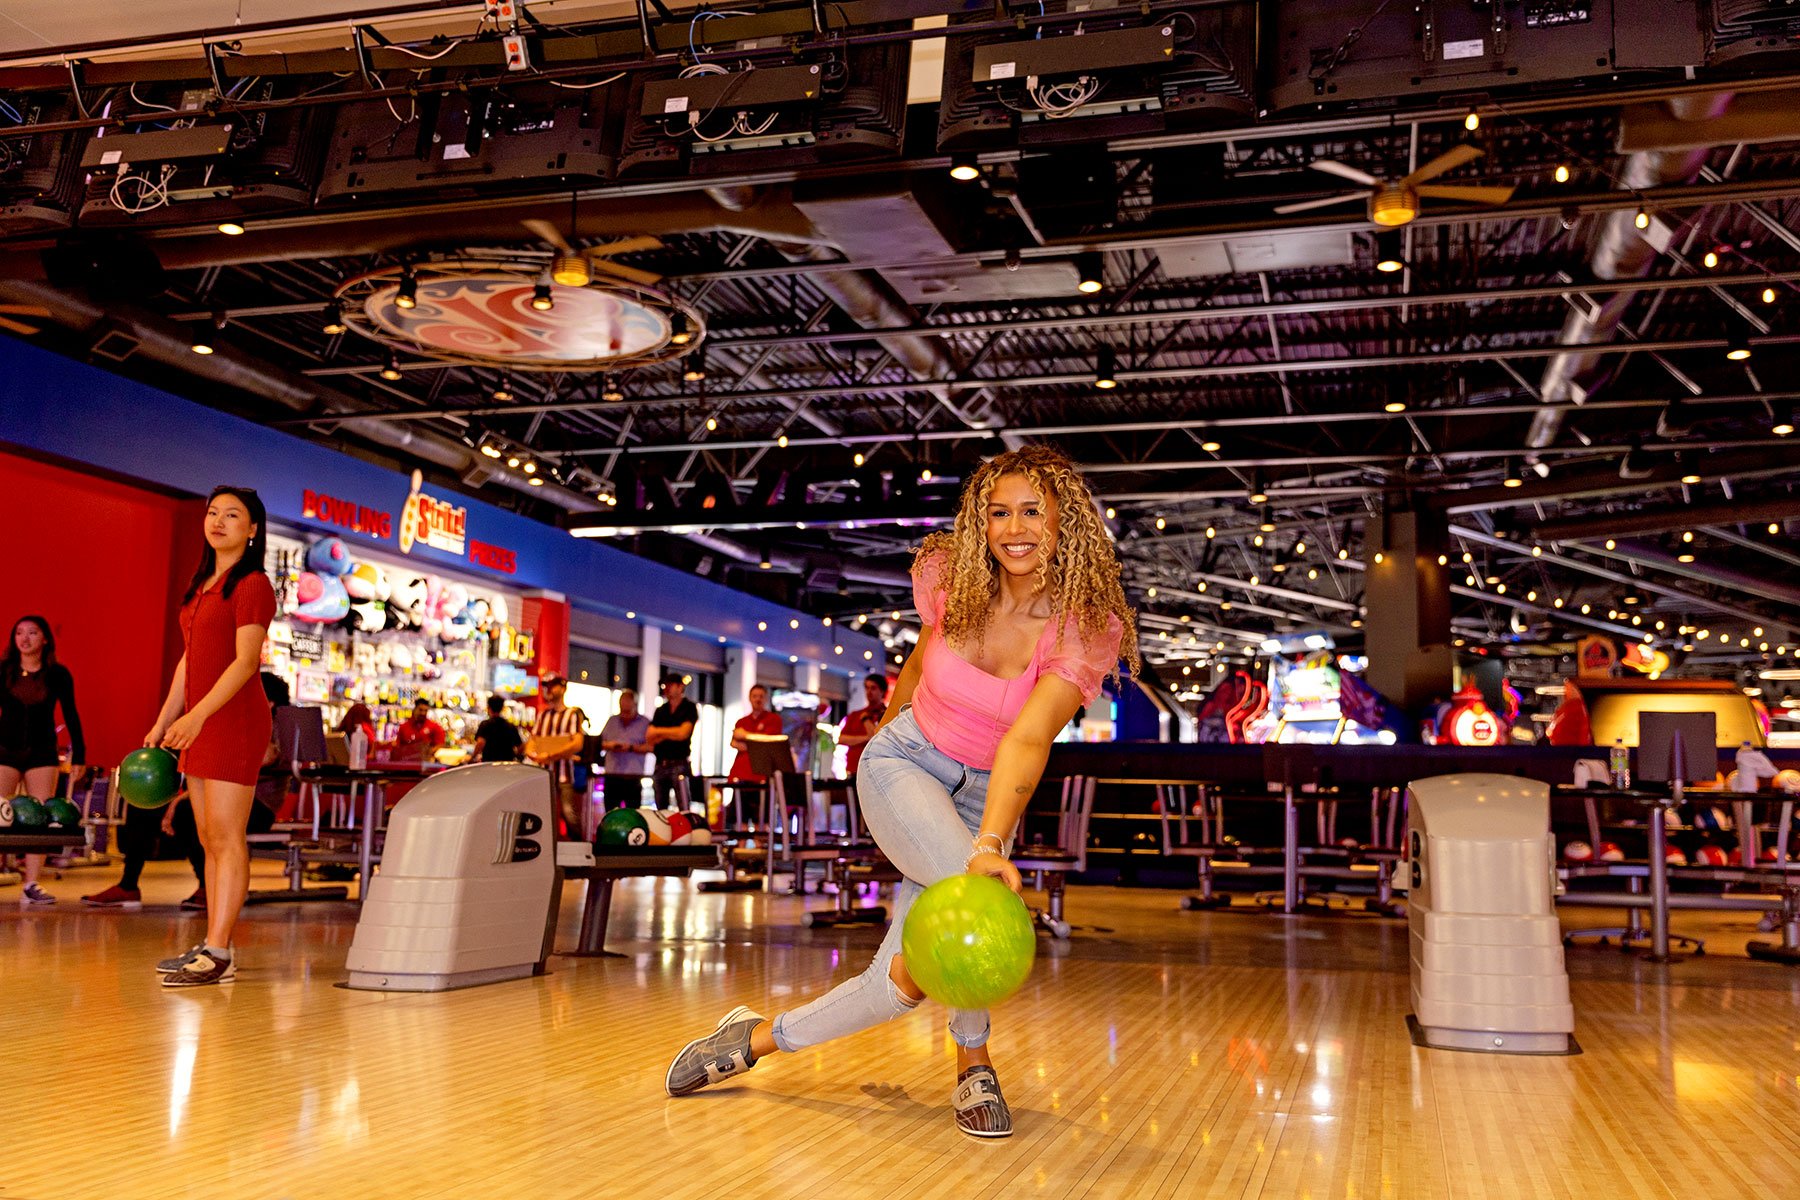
1020, 791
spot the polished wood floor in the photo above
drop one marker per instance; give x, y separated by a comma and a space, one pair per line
1159, 1054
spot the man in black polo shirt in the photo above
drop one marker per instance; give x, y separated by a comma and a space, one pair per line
672, 742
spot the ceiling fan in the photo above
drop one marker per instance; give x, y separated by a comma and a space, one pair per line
21, 310
576, 268
1396, 201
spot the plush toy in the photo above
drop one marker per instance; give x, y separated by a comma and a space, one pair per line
320, 589
329, 556
366, 581
468, 622
452, 600
369, 591
430, 623
406, 602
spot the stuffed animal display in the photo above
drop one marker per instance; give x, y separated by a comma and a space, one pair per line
333, 588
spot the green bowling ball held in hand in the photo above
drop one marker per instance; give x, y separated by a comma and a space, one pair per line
968, 941
148, 778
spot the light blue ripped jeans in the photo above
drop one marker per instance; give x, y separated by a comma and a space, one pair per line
923, 808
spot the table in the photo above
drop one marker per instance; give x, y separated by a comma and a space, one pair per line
1657, 870
609, 866
1290, 819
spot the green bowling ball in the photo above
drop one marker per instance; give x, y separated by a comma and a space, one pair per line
29, 813
624, 827
969, 941
63, 814
148, 778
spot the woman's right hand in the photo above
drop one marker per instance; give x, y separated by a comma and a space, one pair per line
997, 865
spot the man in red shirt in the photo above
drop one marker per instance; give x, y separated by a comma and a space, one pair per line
861, 725
418, 735
759, 720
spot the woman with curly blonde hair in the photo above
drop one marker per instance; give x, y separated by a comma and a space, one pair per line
1023, 619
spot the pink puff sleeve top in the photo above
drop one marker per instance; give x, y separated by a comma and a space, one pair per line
963, 710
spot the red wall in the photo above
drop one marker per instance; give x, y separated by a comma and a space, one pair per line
106, 563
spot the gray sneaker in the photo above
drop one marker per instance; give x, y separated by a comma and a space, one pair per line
33, 896
169, 966
980, 1108
720, 1054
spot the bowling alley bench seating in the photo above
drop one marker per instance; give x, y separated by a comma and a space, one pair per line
603, 867
39, 841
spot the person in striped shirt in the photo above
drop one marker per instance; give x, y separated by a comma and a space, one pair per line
556, 720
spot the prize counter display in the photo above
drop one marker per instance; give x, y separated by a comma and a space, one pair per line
355, 626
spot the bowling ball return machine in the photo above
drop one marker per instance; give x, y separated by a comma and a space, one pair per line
468, 888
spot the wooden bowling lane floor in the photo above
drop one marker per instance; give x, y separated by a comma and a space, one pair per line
1160, 1054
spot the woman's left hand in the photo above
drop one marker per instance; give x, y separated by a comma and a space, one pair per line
182, 731
998, 866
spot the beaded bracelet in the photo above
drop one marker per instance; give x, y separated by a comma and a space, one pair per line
998, 850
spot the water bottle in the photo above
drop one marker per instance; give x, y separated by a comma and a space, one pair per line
1619, 761
359, 749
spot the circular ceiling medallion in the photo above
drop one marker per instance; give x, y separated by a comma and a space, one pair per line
487, 317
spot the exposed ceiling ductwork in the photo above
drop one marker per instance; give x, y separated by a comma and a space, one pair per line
871, 303
847, 569
1621, 251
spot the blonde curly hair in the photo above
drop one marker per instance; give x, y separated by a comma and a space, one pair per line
1081, 577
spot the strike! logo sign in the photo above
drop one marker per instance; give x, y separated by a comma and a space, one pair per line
437, 523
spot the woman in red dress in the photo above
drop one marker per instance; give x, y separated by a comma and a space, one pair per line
217, 717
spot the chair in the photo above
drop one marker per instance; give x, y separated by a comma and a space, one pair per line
734, 833
1211, 853
788, 818
1051, 865
300, 741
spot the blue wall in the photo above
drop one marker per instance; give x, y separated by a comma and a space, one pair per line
55, 406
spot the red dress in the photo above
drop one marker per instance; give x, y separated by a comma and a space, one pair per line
232, 741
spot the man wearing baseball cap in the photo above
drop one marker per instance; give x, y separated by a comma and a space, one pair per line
672, 741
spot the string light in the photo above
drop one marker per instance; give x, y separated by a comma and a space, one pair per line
1711, 260
1642, 220
1768, 295
1562, 173
1472, 122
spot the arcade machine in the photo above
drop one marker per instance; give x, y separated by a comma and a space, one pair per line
1307, 694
